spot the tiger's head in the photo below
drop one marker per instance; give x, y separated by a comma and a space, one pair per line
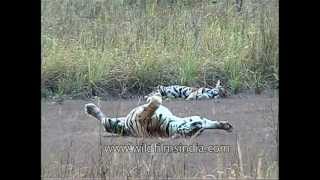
218, 90
221, 90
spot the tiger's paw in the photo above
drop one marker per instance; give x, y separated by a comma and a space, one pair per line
91, 109
225, 125
155, 100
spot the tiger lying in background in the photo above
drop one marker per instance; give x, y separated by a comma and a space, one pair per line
188, 93
155, 120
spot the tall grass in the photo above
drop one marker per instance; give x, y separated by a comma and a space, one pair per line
129, 46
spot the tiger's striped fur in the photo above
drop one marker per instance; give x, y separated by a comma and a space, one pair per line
173, 91
188, 93
155, 120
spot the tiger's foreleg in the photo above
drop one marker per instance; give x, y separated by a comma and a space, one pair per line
139, 121
195, 125
192, 96
216, 99
148, 109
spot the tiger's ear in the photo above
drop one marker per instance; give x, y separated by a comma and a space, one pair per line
218, 84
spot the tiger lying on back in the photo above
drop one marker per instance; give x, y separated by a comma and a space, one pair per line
155, 120
189, 93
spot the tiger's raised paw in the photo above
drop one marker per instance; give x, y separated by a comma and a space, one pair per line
155, 100
91, 109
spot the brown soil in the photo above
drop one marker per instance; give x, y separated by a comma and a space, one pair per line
71, 145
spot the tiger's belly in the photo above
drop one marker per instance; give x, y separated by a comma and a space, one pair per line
165, 123
158, 125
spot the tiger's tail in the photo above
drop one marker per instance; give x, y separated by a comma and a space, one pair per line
94, 111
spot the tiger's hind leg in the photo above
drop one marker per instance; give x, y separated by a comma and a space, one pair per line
111, 125
140, 119
192, 96
223, 125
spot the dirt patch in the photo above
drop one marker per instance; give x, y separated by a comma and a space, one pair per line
71, 144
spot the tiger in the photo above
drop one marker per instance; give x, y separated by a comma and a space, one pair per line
155, 120
208, 93
173, 91
189, 93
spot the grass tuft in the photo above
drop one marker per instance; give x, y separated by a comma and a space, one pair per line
131, 46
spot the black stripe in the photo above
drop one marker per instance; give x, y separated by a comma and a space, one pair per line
137, 127
182, 124
214, 95
184, 92
176, 91
130, 125
167, 128
130, 119
196, 94
105, 125
160, 118
162, 91
116, 125
180, 91
109, 121
127, 122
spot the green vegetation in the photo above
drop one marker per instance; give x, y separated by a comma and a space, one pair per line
131, 46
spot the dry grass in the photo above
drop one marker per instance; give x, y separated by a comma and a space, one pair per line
72, 145
97, 47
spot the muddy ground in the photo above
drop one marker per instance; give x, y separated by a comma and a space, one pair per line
72, 147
